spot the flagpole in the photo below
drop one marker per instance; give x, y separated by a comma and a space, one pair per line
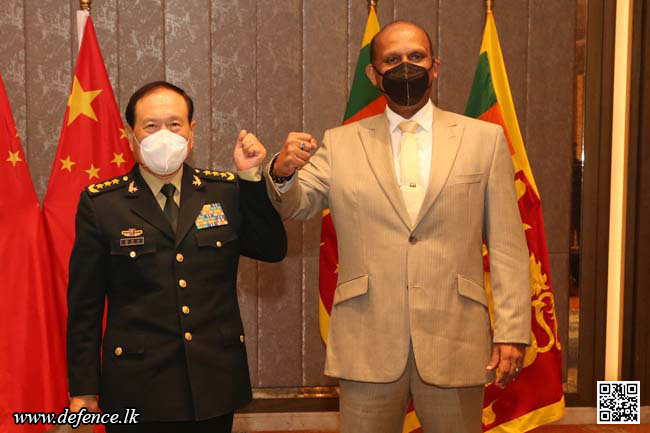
82, 16
489, 6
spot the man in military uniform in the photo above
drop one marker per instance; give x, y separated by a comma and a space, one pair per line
162, 244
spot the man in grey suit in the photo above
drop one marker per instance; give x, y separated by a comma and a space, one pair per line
412, 193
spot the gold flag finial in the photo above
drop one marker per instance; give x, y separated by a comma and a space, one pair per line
84, 5
489, 5
372, 3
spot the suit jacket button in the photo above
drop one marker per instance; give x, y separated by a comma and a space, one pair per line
182, 283
118, 351
413, 239
242, 338
185, 309
188, 336
179, 258
219, 244
132, 254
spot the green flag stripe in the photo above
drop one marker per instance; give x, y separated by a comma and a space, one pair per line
482, 96
362, 92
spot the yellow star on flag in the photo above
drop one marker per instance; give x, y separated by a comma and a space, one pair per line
119, 159
80, 102
67, 164
14, 158
93, 172
122, 133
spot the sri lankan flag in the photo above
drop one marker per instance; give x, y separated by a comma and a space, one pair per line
536, 397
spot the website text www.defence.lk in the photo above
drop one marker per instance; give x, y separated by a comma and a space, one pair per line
75, 419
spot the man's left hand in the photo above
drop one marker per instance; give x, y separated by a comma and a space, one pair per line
249, 152
508, 359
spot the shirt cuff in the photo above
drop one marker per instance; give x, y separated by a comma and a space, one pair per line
253, 174
285, 186
282, 187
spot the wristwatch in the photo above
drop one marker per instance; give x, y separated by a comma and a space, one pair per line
278, 179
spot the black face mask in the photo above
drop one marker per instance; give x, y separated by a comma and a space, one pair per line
406, 83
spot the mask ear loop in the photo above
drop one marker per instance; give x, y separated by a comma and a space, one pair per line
190, 139
139, 149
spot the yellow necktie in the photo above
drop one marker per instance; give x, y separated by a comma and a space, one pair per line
410, 181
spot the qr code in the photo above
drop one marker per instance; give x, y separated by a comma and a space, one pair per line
619, 402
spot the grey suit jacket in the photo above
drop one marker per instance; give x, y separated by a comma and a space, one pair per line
421, 281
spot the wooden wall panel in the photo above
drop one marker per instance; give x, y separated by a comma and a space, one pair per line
279, 99
458, 52
48, 77
141, 41
187, 64
549, 134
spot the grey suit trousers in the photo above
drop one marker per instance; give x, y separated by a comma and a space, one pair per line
381, 407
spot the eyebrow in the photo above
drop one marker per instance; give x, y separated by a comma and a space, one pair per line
168, 118
399, 53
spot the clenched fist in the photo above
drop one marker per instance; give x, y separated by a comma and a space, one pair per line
249, 152
295, 153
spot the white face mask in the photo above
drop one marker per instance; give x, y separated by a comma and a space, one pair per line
163, 152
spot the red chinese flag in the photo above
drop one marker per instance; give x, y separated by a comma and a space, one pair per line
32, 353
92, 148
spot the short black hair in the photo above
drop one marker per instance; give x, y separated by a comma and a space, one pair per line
129, 113
372, 41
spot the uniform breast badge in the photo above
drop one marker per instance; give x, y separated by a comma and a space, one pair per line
211, 216
131, 237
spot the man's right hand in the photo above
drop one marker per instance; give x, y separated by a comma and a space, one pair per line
295, 153
87, 401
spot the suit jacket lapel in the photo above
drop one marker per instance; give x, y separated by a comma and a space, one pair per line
145, 205
446, 141
192, 201
376, 142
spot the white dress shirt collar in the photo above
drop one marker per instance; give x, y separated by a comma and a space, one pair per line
424, 118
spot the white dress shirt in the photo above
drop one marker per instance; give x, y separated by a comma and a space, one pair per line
423, 137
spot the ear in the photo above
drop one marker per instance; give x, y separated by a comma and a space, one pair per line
436, 67
191, 140
130, 135
372, 74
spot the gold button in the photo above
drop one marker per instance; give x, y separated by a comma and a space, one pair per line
182, 283
179, 257
242, 338
186, 309
218, 244
188, 336
132, 254
118, 351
